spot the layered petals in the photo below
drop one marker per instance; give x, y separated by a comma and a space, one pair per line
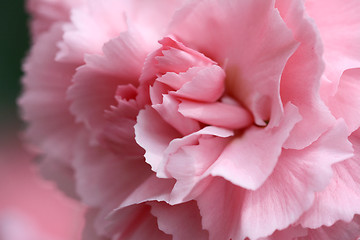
343, 192
108, 71
340, 35
51, 125
253, 61
249, 159
346, 102
200, 119
300, 80
289, 199
181, 221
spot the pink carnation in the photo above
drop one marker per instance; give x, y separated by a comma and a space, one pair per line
202, 119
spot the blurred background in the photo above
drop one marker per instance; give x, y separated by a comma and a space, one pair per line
30, 207
14, 42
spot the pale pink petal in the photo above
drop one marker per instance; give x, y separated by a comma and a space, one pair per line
232, 212
100, 21
193, 139
47, 12
43, 102
290, 233
340, 199
97, 176
89, 231
250, 158
340, 35
91, 26
169, 111
300, 79
346, 102
290, 190
154, 135
220, 208
176, 57
157, 13
189, 166
187, 159
153, 189
96, 83
62, 174
133, 223
254, 61
217, 114
118, 134
207, 85
182, 221
340, 230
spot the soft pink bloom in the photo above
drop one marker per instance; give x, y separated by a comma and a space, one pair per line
202, 119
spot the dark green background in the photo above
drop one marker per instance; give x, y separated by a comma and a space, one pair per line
14, 43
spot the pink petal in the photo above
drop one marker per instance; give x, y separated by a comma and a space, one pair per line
217, 114
99, 21
340, 230
229, 211
97, 176
301, 77
254, 61
340, 199
45, 13
340, 35
133, 223
174, 56
89, 231
346, 102
189, 164
207, 85
118, 134
62, 174
153, 189
249, 159
193, 139
181, 221
304, 172
154, 135
91, 26
220, 208
292, 232
96, 83
43, 102
168, 110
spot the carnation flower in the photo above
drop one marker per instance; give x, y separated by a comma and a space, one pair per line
202, 119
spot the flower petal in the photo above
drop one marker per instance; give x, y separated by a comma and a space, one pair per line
250, 158
133, 223
346, 102
43, 102
153, 134
249, 40
340, 35
96, 83
300, 79
229, 211
168, 110
340, 199
182, 221
97, 176
340, 230
217, 114
290, 190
